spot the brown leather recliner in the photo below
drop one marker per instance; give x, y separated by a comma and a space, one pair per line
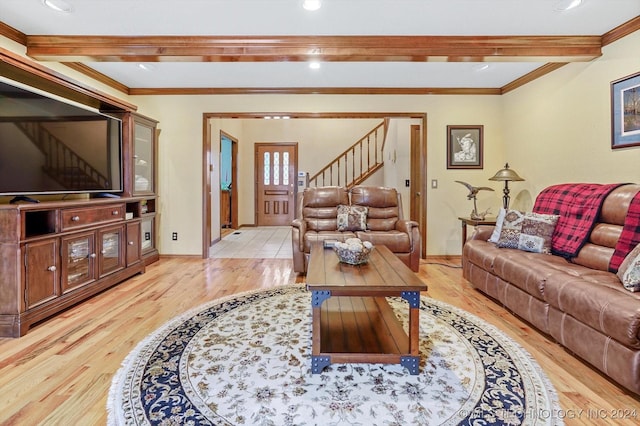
317, 220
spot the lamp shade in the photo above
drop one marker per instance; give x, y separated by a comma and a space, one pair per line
506, 174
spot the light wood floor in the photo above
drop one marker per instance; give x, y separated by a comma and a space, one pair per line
60, 372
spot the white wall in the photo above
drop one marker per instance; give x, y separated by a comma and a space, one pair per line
558, 128
397, 156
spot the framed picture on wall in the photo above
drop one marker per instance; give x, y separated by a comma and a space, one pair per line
464, 147
625, 112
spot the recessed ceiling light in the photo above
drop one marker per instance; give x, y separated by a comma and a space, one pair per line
58, 5
564, 5
146, 67
314, 65
311, 5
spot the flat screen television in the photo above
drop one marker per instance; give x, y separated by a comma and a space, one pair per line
52, 146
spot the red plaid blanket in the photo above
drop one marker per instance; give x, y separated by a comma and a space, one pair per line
578, 205
630, 236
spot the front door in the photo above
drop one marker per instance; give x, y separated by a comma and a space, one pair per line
276, 166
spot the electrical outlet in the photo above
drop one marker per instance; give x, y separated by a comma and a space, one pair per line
174, 236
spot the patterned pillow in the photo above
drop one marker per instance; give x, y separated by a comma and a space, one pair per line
537, 230
352, 218
510, 232
527, 231
495, 236
629, 271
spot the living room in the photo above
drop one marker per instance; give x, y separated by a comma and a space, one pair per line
554, 129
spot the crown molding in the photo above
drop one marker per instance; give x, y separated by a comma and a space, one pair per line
620, 31
26, 71
533, 75
98, 76
13, 34
315, 91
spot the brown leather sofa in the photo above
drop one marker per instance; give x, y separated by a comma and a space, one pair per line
580, 304
316, 220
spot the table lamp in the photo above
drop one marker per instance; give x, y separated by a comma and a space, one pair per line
506, 175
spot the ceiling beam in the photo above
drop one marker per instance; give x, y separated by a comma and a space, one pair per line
322, 48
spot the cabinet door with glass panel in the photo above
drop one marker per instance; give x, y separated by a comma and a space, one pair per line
78, 260
112, 249
144, 155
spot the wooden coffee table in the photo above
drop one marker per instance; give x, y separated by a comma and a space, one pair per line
352, 321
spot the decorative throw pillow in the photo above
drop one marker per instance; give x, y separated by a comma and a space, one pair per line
629, 271
352, 218
510, 232
495, 236
537, 230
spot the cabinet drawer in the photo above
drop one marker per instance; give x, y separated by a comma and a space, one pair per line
81, 217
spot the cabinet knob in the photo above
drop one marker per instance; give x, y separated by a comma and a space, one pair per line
116, 212
75, 218
92, 255
52, 268
130, 243
103, 251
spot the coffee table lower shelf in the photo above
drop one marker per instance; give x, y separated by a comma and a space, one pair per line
362, 329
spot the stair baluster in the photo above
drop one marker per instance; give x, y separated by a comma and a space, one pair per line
359, 170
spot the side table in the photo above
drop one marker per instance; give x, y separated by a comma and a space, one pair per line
473, 222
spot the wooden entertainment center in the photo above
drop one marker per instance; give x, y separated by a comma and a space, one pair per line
58, 252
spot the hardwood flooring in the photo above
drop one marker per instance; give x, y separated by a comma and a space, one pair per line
60, 372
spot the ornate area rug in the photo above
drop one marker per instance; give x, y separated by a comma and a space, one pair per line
246, 360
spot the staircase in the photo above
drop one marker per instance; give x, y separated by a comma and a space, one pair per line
62, 163
357, 163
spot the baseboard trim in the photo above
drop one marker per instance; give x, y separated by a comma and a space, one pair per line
446, 258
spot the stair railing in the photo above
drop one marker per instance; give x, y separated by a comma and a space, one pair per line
356, 163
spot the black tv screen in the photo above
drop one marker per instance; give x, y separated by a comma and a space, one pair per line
49, 146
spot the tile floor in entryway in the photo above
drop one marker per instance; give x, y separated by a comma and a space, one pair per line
262, 242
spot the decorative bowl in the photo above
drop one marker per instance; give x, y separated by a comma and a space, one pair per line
353, 254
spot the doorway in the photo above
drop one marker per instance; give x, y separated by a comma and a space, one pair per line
207, 159
228, 181
276, 169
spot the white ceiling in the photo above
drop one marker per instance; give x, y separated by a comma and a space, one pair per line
335, 17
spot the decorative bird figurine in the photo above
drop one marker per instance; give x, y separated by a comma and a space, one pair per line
473, 192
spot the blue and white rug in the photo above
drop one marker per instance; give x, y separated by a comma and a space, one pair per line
246, 360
